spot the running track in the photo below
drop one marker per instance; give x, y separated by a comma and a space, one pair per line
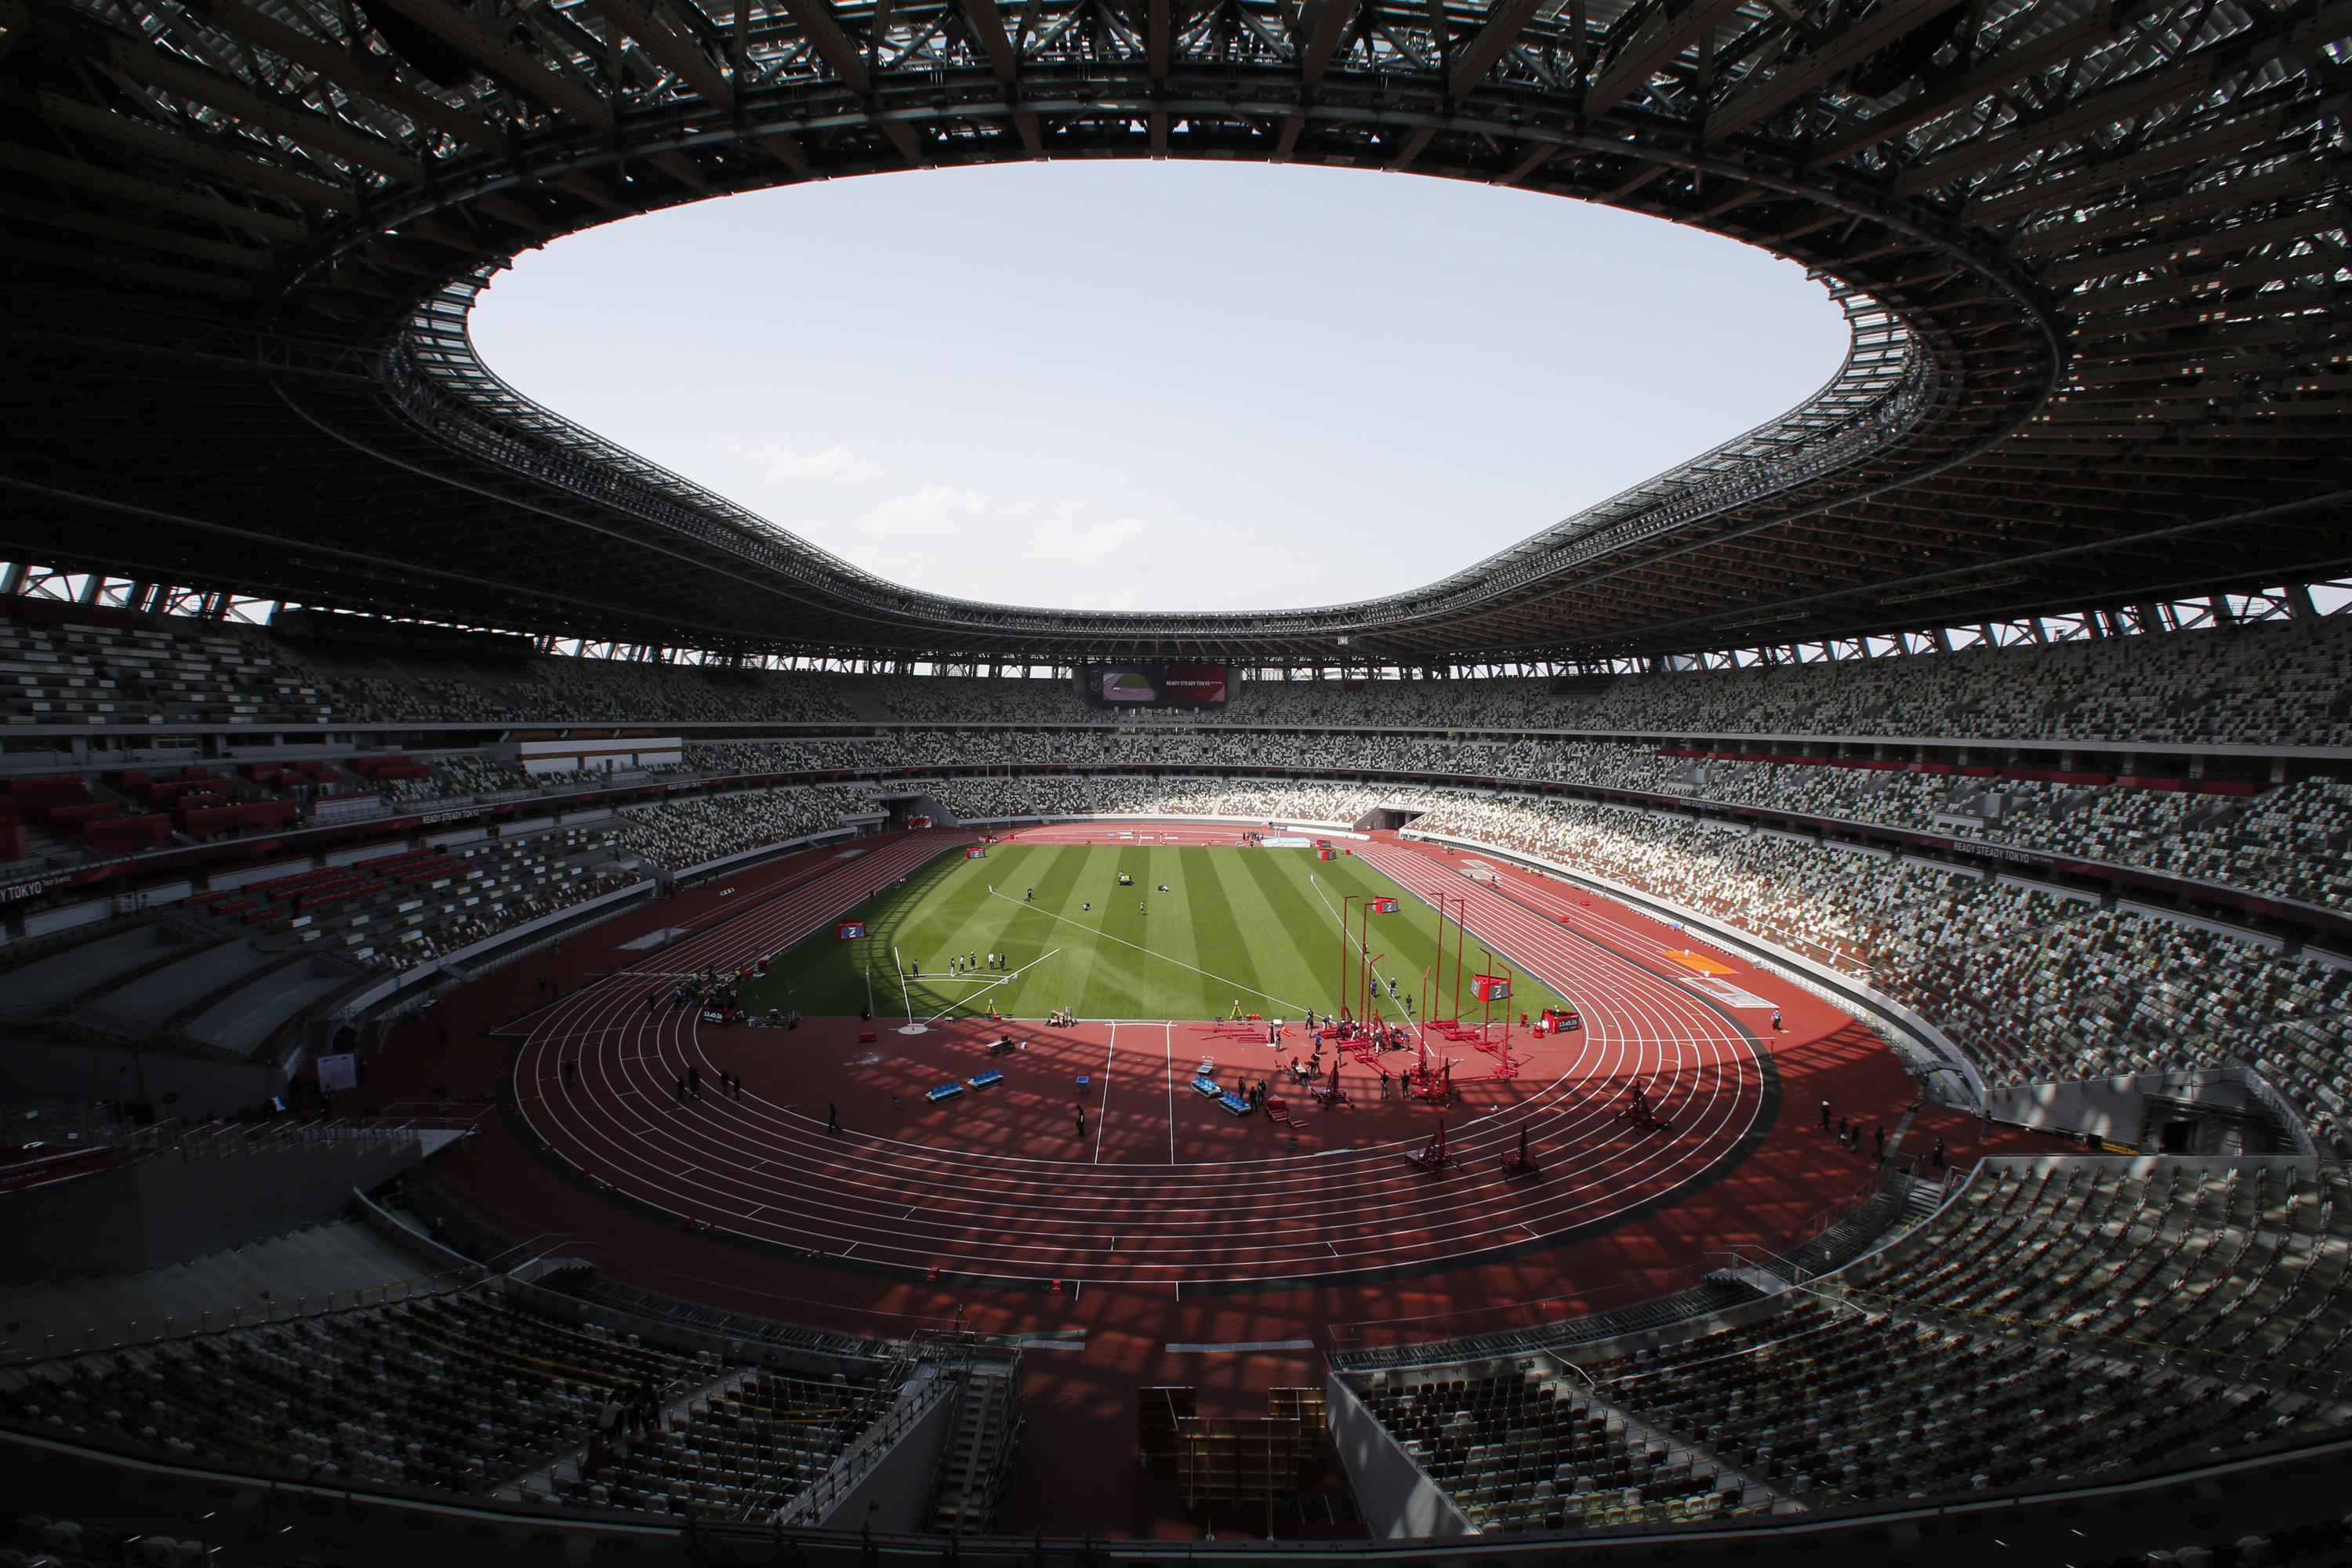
978, 1199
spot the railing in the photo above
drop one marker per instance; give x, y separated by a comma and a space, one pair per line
869, 1448
484, 1230
94, 1339
34, 1119
215, 1140
1441, 1334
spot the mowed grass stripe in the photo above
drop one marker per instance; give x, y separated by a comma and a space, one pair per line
1115, 984
1175, 928
1294, 924
1246, 921
1031, 931
1244, 944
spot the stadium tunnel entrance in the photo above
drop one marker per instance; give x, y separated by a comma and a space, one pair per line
1387, 818
914, 811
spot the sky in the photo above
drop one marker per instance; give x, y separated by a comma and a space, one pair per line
1159, 386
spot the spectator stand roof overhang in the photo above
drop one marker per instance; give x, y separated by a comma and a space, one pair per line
2092, 252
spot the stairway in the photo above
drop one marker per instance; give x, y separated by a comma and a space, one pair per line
1920, 1201
977, 1462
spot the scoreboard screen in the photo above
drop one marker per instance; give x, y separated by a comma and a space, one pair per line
1154, 685
1127, 686
1192, 685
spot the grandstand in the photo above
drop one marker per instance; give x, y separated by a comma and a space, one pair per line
1800, 1010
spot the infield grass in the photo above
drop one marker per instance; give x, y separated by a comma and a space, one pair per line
1260, 926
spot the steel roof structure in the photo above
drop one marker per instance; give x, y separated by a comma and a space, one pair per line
2093, 253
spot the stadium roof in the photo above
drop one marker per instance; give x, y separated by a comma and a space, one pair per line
2093, 252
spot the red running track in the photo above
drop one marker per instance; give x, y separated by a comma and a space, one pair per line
1156, 1186
1233, 1344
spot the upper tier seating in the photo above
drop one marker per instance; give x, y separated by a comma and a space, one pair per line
2032, 985
2272, 683
684, 832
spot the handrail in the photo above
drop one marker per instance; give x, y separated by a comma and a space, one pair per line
1545, 1312
867, 1449
94, 1339
217, 1140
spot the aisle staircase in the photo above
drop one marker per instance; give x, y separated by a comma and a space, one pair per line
976, 1467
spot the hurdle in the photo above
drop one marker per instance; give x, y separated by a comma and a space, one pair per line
1432, 1159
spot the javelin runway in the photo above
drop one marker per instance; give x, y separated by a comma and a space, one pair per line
1156, 1186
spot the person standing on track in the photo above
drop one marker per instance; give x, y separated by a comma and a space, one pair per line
1825, 1115
832, 1117
1082, 1122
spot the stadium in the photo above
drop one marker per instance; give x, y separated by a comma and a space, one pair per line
1801, 1009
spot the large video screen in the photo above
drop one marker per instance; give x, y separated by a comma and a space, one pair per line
1155, 685
1127, 686
1192, 685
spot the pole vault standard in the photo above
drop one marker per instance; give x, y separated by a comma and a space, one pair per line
1432, 979
1340, 997
1364, 961
905, 994
1487, 994
1461, 934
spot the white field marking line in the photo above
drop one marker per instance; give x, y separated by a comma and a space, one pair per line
1101, 935
988, 984
1172, 1044
1102, 1111
1170, 1027
1674, 1002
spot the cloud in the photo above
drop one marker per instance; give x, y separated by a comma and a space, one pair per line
1057, 550
785, 464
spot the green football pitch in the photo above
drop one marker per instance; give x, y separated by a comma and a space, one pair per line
1257, 926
